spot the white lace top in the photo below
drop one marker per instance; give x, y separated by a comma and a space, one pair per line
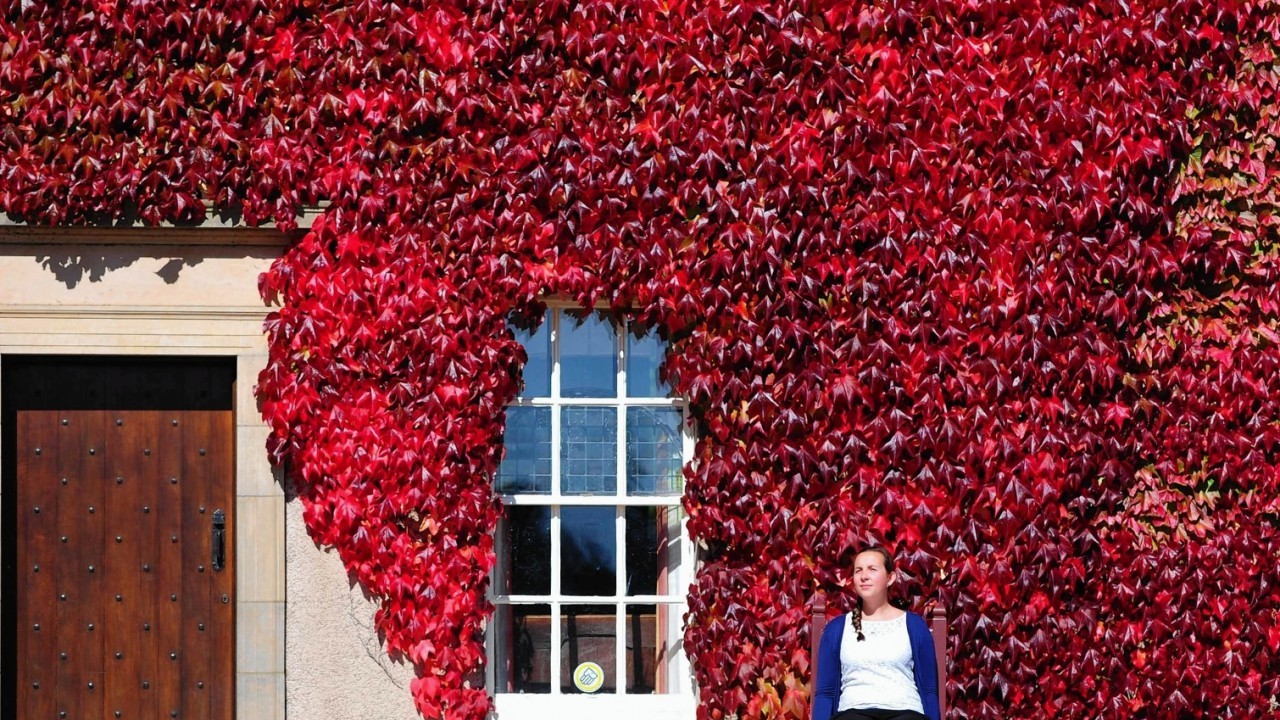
879, 671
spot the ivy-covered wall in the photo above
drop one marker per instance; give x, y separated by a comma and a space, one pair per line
993, 283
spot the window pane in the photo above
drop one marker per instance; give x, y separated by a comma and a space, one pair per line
525, 562
653, 639
644, 356
526, 468
588, 356
523, 644
653, 550
642, 551
588, 451
588, 551
654, 451
537, 371
589, 635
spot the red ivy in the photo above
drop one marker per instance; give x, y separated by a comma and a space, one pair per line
992, 283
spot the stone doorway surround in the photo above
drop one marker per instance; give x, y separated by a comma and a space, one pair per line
171, 291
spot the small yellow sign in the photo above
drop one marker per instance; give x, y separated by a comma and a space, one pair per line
588, 677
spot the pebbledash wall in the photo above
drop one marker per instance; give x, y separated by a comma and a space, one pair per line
305, 643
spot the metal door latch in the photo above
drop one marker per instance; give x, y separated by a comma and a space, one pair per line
219, 539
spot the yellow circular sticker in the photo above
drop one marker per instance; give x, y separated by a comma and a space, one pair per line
588, 677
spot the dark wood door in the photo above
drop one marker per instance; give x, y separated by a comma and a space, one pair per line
124, 609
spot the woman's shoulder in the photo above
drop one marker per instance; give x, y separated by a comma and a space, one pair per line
837, 622
917, 620
834, 631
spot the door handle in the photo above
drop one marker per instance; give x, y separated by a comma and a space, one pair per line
219, 540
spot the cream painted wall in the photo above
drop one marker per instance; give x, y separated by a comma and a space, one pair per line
338, 669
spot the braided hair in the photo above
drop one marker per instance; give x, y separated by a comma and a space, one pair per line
888, 568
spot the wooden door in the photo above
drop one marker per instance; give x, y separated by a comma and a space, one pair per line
125, 609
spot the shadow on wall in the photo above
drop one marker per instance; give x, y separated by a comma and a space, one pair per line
91, 253
71, 268
75, 262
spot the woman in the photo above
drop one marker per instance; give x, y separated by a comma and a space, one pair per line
877, 662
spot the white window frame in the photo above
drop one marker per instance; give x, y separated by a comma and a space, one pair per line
680, 702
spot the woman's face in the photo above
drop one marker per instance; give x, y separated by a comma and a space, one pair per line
870, 579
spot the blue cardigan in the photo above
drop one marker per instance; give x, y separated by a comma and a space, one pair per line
826, 691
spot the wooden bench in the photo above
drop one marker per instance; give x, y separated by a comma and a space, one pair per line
937, 620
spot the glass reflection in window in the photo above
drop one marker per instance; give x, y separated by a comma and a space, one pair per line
589, 450
526, 465
588, 551
645, 354
588, 634
588, 356
655, 451
525, 550
523, 662
537, 371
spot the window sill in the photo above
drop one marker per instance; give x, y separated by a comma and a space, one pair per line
594, 707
